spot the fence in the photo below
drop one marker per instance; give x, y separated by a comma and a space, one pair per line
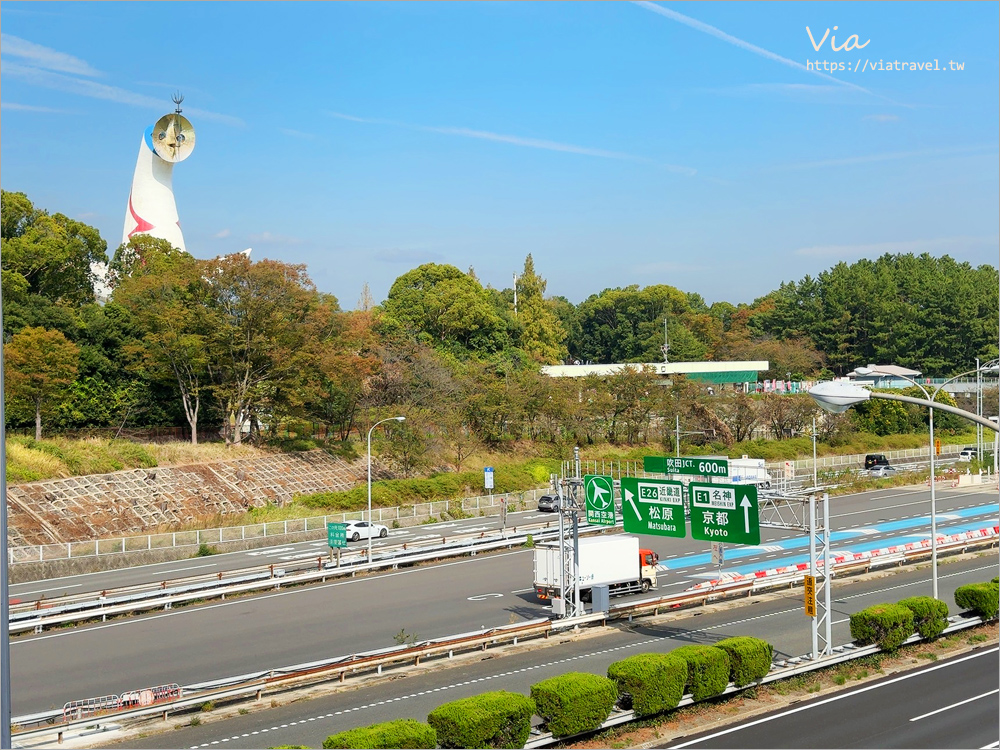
304, 528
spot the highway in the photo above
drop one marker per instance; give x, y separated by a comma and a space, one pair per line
856, 517
222, 639
777, 618
952, 704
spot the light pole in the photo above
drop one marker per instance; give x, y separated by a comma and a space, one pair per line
839, 397
387, 419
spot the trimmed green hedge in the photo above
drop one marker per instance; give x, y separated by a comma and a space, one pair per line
388, 734
930, 615
749, 658
655, 682
574, 702
497, 719
981, 598
888, 625
708, 670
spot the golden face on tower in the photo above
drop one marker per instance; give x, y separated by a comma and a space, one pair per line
173, 138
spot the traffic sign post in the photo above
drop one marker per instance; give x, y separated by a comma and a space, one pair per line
810, 595
488, 477
336, 537
600, 494
698, 465
724, 513
653, 506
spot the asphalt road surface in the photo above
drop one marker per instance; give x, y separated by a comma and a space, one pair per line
779, 619
280, 629
951, 704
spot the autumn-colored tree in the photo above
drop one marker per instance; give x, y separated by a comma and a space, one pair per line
40, 366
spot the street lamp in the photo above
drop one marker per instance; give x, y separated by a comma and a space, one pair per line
387, 419
839, 397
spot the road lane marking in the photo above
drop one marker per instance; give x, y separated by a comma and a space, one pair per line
190, 567
837, 697
955, 705
42, 591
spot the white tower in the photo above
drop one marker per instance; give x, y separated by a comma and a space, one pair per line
151, 208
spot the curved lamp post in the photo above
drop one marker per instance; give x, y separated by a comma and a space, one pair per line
839, 397
387, 419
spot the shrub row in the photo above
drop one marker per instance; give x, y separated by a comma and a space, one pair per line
889, 625
576, 702
981, 598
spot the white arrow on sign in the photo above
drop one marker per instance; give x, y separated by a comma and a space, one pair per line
745, 504
629, 500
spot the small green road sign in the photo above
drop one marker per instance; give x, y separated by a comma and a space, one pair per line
698, 465
600, 494
336, 534
724, 513
653, 506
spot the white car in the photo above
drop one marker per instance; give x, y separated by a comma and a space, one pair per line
881, 471
363, 530
967, 454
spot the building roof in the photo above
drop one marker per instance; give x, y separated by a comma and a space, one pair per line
708, 372
882, 371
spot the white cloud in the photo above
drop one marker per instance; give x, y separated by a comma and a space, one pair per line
298, 134
882, 118
267, 238
32, 108
222, 234
935, 246
44, 57
889, 156
95, 90
516, 140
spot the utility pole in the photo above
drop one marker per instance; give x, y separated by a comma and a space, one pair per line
515, 295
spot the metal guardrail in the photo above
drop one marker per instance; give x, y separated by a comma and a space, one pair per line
27, 617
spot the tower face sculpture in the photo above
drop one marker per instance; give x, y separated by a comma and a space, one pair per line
151, 208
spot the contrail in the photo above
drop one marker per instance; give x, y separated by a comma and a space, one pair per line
720, 34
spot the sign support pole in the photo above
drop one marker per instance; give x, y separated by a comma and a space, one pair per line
812, 571
827, 574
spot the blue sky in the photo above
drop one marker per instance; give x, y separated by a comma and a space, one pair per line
618, 143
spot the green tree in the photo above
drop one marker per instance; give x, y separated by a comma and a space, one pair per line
542, 334
52, 253
446, 308
40, 367
257, 346
168, 298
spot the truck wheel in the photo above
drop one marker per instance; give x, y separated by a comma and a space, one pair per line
644, 586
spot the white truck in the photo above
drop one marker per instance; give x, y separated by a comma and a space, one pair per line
748, 471
616, 561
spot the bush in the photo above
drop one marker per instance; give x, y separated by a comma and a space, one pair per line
497, 719
888, 625
981, 598
655, 682
749, 658
930, 615
574, 702
398, 733
708, 670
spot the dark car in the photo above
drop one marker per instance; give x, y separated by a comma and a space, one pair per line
548, 503
875, 459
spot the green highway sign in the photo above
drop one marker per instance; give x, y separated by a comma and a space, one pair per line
600, 494
698, 465
653, 506
336, 534
724, 513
